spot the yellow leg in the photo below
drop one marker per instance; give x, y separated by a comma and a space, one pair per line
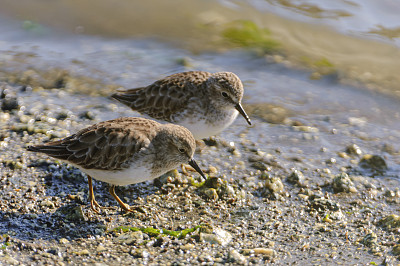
93, 202
121, 203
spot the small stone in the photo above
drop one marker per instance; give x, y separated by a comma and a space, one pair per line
343, 155
265, 251
306, 129
212, 170
83, 252
373, 162
9, 104
390, 222
236, 257
87, 115
8, 260
187, 247
353, 149
72, 212
259, 166
296, 177
343, 183
274, 184
218, 236
130, 238
370, 240
139, 253
396, 250
100, 248
357, 121
63, 241
47, 203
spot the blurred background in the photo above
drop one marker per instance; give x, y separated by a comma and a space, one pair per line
300, 60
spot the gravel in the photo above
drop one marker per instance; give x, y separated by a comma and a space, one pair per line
260, 204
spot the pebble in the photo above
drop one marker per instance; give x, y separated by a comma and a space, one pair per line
63, 241
264, 251
390, 222
353, 149
83, 252
343, 183
8, 260
236, 257
100, 248
47, 203
187, 246
296, 177
373, 162
218, 236
130, 238
396, 250
274, 184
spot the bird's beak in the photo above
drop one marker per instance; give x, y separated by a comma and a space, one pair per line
243, 113
193, 164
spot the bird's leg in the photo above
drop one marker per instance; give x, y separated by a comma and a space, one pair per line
93, 202
121, 203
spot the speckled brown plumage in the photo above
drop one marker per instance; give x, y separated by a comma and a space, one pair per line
108, 145
190, 99
124, 151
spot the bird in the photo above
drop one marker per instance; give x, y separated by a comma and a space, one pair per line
203, 102
124, 151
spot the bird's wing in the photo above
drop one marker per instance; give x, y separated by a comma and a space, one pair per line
166, 97
107, 145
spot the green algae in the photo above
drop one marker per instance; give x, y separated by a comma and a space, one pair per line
245, 33
157, 232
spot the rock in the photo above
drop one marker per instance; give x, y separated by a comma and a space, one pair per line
259, 166
71, 212
9, 104
140, 253
83, 252
343, 183
8, 260
306, 129
87, 115
47, 203
396, 250
131, 238
326, 208
274, 184
296, 177
213, 182
236, 257
218, 236
187, 247
63, 241
211, 194
373, 162
390, 222
263, 251
370, 240
353, 150
100, 248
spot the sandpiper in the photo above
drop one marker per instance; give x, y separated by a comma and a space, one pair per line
124, 151
205, 103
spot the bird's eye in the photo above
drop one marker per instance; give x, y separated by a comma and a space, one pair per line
224, 94
182, 150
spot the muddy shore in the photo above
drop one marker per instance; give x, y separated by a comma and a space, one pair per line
303, 203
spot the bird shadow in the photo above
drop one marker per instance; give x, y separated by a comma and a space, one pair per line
68, 214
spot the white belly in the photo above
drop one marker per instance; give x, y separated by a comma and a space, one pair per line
201, 128
124, 177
